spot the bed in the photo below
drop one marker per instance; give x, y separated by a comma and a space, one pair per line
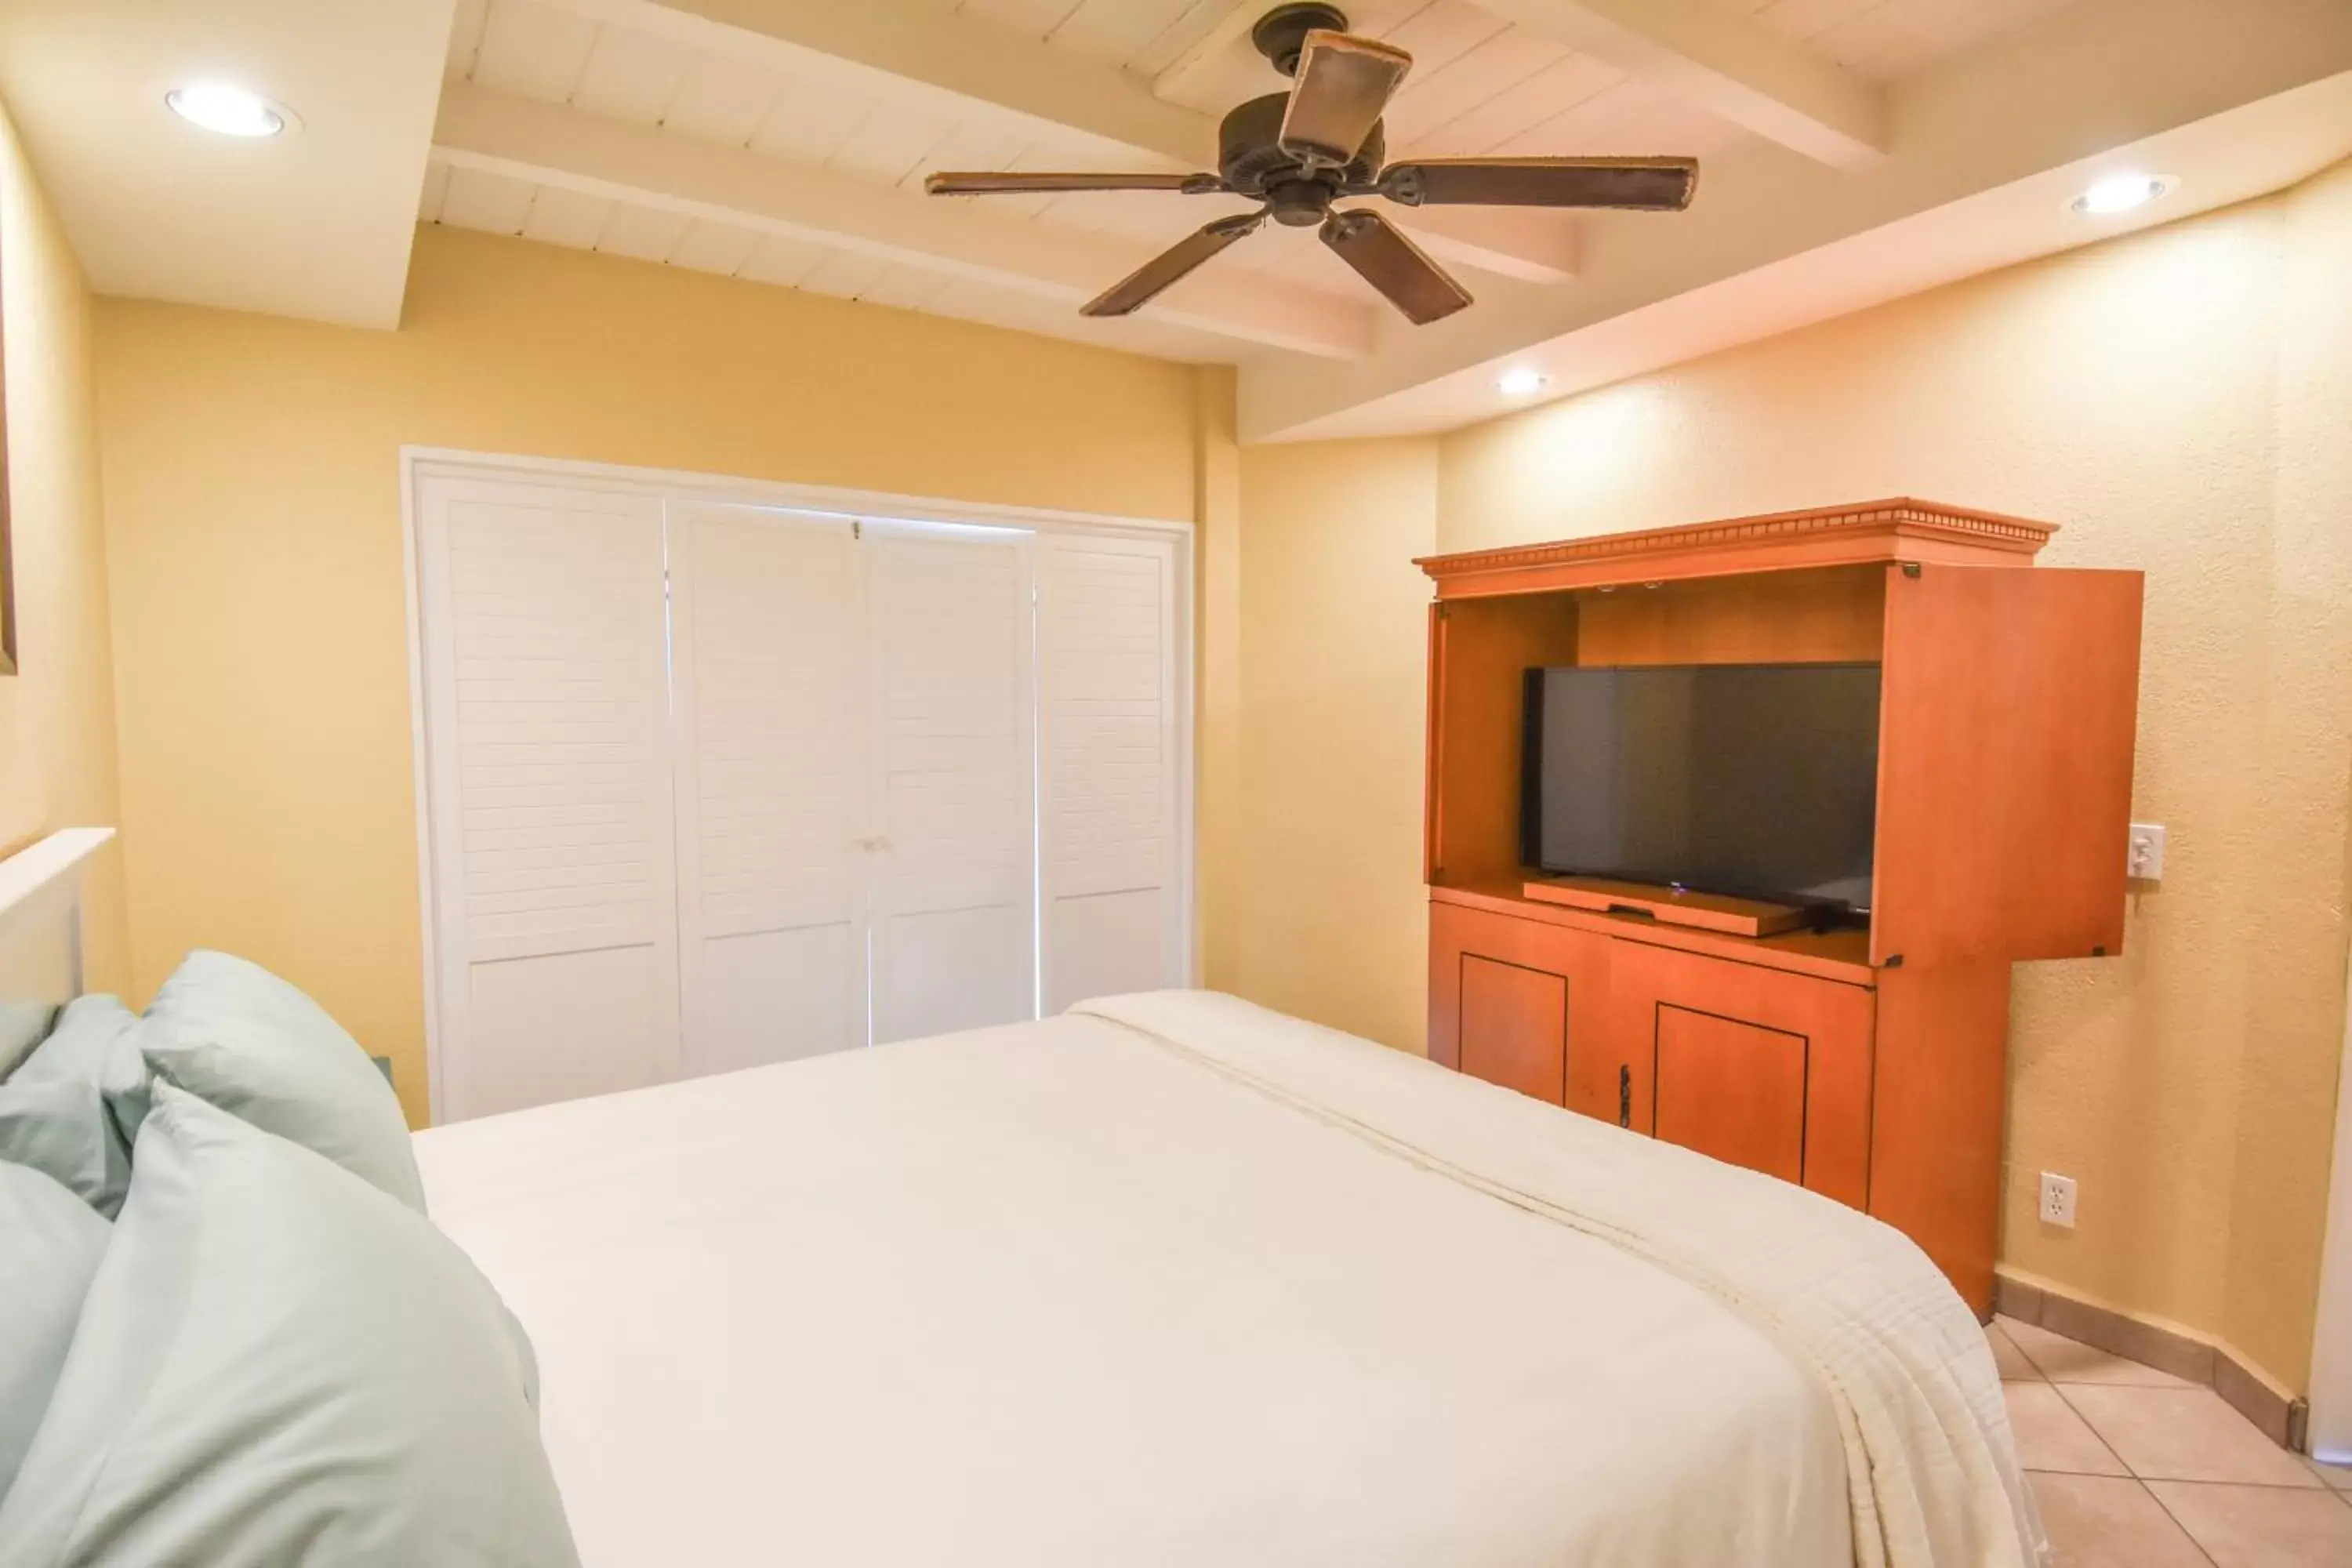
1174, 1279
1168, 1279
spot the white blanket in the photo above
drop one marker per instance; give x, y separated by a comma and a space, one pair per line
1931, 1470
1179, 1281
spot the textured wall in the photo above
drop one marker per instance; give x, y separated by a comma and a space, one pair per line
254, 523
1334, 653
2299, 859
56, 718
2182, 402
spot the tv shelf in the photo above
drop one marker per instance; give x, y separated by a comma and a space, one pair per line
1672, 905
1842, 953
1867, 1062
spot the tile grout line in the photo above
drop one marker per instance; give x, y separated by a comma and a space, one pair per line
2178, 1523
2096, 1435
2242, 1486
2149, 1492
2320, 1481
2030, 1305
2171, 1380
2037, 1374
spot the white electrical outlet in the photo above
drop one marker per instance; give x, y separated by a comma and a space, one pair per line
2057, 1200
2147, 861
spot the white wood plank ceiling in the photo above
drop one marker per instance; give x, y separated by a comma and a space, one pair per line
856, 140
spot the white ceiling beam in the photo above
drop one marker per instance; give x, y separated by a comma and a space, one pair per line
915, 40
1734, 68
2233, 97
548, 144
921, 41
1528, 244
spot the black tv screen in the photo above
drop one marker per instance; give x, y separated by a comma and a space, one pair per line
1755, 780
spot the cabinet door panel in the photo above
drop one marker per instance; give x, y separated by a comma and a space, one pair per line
1731, 1090
1754, 1066
1518, 1003
2005, 764
1515, 1026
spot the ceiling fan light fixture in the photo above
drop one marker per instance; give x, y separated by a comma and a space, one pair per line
2121, 193
226, 110
1522, 383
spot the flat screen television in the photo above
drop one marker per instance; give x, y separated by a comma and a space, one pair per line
1755, 780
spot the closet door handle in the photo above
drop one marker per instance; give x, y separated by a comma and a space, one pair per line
870, 843
1625, 1097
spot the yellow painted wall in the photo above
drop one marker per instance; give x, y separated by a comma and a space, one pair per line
1329, 917
253, 513
2298, 867
2182, 402
1219, 859
56, 717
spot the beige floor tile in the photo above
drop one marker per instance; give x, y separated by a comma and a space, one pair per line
2183, 1435
2014, 1366
2052, 1436
2338, 1477
2111, 1521
2262, 1527
2062, 1360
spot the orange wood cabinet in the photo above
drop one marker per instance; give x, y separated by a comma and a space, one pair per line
1754, 1067
1521, 1004
1867, 1063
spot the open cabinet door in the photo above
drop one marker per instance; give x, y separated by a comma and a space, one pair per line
2010, 698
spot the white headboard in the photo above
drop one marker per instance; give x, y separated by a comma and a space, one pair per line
40, 935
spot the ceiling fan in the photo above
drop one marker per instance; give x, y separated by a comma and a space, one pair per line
1300, 151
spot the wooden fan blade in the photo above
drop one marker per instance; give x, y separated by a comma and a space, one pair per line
1140, 288
1343, 84
973, 185
1394, 265
1641, 184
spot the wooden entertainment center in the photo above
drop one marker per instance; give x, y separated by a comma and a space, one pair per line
1867, 1061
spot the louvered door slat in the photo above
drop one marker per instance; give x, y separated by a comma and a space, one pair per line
710, 785
544, 656
1107, 636
769, 669
954, 944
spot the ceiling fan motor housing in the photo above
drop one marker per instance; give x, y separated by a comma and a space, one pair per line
1281, 34
1251, 159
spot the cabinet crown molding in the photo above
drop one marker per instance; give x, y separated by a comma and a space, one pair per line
1899, 528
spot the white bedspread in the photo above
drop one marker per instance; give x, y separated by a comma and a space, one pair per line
1178, 1280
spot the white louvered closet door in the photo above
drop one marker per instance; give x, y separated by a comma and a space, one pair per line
1108, 690
710, 785
954, 939
769, 688
544, 659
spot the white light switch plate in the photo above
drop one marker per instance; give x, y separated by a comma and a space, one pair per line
2147, 853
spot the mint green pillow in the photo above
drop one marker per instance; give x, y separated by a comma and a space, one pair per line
233, 1033
53, 1113
51, 1244
277, 1363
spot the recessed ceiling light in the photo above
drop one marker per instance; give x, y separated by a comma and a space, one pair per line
1521, 382
226, 109
2121, 193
